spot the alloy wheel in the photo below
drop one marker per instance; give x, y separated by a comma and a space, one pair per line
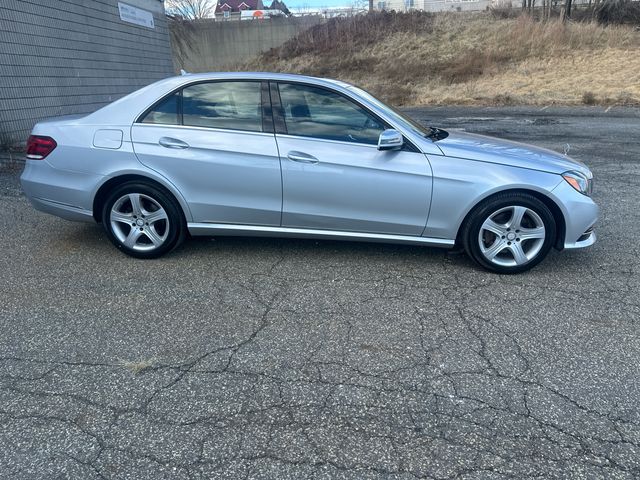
139, 222
512, 236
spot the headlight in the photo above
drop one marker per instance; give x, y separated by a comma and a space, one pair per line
579, 181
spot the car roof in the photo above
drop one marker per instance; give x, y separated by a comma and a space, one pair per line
260, 76
127, 108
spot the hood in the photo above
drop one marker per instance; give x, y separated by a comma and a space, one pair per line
493, 150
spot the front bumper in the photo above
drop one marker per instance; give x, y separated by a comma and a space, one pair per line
63, 193
587, 242
580, 214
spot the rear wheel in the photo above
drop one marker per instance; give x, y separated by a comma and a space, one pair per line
509, 233
142, 220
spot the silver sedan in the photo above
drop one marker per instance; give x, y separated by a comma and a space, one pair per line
287, 155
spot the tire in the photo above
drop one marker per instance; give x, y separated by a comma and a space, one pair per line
143, 220
509, 232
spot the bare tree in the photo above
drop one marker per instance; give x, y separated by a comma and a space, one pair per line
566, 10
183, 43
547, 5
530, 5
191, 9
616, 11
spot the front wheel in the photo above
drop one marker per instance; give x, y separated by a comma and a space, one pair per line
142, 220
509, 233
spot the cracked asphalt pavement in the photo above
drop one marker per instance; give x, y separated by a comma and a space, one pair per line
272, 358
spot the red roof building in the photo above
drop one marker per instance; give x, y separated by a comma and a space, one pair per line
225, 8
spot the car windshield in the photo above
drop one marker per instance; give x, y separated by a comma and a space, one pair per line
397, 115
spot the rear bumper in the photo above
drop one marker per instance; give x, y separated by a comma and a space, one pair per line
63, 193
68, 212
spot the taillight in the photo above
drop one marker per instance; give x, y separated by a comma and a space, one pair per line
39, 147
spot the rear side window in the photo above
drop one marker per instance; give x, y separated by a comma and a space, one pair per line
165, 112
232, 105
229, 105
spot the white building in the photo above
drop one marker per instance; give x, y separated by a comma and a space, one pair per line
433, 5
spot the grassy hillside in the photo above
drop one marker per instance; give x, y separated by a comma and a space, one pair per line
422, 58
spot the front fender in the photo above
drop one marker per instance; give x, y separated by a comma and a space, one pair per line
460, 184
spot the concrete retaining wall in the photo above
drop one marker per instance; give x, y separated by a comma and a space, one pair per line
449, 6
61, 57
207, 45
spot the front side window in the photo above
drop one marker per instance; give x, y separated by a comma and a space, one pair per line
397, 115
231, 105
319, 113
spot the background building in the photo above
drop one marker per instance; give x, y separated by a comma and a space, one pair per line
249, 9
433, 5
74, 56
231, 9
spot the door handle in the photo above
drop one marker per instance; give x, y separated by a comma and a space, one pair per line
169, 142
301, 157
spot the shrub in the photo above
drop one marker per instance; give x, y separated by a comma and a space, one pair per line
618, 12
345, 33
410, 58
588, 98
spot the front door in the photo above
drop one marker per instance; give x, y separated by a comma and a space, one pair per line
209, 140
333, 175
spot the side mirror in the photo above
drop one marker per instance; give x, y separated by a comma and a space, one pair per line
390, 140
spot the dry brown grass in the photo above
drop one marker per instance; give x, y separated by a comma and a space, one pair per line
138, 366
469, 59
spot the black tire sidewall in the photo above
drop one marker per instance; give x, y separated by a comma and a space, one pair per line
482, 212
165, 199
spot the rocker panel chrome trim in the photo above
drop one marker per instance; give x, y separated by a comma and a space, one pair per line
263, 231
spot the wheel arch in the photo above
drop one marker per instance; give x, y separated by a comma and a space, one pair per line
103, 190
558, 216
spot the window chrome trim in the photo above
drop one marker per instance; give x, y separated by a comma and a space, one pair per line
316, 139
207, 129
410, 143
180, 88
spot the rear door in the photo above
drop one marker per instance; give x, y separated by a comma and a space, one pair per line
334, 177
213, 141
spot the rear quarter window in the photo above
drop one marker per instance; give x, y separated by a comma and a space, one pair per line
164, 112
